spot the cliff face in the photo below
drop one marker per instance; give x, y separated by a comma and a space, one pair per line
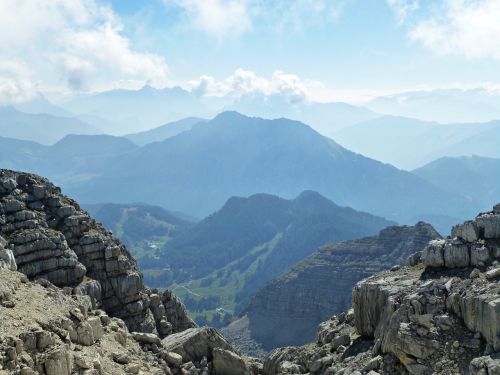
288, 310
436, 317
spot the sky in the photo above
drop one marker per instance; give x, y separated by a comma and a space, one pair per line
343, 50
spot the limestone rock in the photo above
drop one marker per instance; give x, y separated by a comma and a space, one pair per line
52, 238
226, 362
195, 343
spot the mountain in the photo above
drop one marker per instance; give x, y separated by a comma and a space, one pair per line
442, 105
409, 143
226, 257
39, 104
326, 118
40, 128
472, 177
141, 227
21, 155
163, 132
129, 111
438, 315
72, 161
288, 309
234, 155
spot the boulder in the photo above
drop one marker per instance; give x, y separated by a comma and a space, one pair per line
226, 362
433, 254
195, 343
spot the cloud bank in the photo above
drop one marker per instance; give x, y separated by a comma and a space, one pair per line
469, 28
73, 44
246, 82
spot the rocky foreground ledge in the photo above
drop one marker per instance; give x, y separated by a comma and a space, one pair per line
72, 300
440, 315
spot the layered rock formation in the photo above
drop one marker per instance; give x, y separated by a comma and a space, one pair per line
80, 305
53, 238
436, 317
288, 310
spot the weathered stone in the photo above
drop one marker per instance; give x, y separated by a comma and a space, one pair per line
59, 362
456, 255
433, 254
479, 255
195, 343
173, 358
226, 362
146, 338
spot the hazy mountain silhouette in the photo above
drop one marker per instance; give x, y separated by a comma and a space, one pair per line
473, 177
163, 132
41, 128
409, 143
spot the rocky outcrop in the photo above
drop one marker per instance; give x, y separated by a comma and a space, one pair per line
288, 310
436, 317
52, 238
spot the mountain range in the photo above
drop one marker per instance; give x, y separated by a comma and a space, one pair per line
441, 105
40, 127
473, 177
196, 171
163, 132
409, 143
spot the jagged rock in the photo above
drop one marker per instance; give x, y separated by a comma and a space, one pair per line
60, 242
146, 338
59, 362
433, 254
7, 260
173, 358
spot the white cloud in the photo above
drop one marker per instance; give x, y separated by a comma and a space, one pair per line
16, 84
231, 18
245, 82
219, 18
403, 8
470, 28
75, 44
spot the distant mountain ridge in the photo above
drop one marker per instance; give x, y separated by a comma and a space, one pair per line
42, 128
410, 143
163, 132
441, 105
470, 176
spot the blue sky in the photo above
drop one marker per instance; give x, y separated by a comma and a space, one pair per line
329, 49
